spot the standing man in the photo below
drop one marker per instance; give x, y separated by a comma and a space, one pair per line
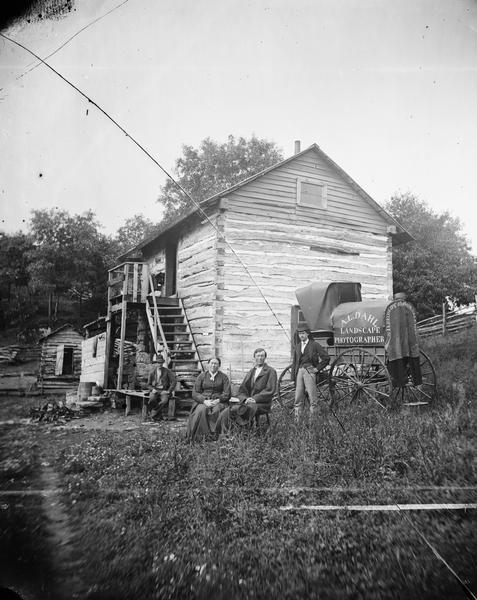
255, 394
161, 383
309, 358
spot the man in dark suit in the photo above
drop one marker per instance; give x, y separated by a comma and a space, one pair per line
309, 358
259, 385
161, 384
254, 396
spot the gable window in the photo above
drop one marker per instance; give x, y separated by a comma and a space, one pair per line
312, 194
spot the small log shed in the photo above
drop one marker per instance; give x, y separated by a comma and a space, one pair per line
60, 360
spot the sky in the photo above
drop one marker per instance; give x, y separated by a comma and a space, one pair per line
387, 89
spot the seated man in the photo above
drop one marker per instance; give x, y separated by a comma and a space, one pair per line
255, 394
161, 383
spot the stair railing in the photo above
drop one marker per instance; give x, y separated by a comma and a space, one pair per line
190, 332
152, 326
157, 320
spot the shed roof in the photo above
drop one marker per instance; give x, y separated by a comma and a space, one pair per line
65, 326
401, 235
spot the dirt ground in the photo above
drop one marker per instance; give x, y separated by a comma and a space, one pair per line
16, 411
37, 555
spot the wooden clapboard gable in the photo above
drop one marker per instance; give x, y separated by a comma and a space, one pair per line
275, 194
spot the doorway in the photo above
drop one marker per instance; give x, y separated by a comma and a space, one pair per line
171, 269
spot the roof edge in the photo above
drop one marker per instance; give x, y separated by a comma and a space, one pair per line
400, 236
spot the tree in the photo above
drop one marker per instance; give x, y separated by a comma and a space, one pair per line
69, 257
437, 266
13, 259
14, 277
213, 167
134, 230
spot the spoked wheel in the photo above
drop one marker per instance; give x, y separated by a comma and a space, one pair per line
423, 394
286, 389
359, 376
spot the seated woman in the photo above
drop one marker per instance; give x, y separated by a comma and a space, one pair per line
211, 394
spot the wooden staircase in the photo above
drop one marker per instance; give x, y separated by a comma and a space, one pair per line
172, 336
132, 290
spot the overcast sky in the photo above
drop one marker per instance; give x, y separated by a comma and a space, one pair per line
387, 89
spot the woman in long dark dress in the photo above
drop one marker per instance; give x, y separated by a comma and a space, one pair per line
211, 395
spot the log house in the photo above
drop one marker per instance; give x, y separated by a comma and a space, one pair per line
234, 272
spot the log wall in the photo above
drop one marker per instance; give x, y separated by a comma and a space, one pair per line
197, 283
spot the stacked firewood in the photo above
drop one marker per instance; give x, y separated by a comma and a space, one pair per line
52, 412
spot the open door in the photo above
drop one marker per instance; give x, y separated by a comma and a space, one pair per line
171, 269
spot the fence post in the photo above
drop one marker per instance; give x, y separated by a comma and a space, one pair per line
443, 318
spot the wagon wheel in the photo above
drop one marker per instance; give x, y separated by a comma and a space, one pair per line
359, 375
286, 389
423, 394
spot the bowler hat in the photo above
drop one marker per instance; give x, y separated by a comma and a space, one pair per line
303, 327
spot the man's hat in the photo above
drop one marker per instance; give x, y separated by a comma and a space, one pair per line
303, 327
239, 413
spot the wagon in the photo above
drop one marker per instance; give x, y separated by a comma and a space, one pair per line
373, 348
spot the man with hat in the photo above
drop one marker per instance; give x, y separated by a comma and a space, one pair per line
161, 383
309, 358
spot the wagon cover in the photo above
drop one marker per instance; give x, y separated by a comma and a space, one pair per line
359, 323
318, 300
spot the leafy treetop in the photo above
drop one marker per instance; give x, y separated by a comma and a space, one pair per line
213, 167
437, 266
134, 230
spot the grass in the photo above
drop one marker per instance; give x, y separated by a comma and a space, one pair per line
159, 518
204, 521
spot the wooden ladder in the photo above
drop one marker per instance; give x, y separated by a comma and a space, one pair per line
172, 336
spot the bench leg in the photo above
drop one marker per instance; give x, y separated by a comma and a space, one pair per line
128, 406
258, 417
171, 409
144, 408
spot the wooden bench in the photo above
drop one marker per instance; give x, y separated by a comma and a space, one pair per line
144, 396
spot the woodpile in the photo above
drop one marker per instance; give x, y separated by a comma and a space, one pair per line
18, 354
9, 354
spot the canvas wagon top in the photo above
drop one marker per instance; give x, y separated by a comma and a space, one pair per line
337, 308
